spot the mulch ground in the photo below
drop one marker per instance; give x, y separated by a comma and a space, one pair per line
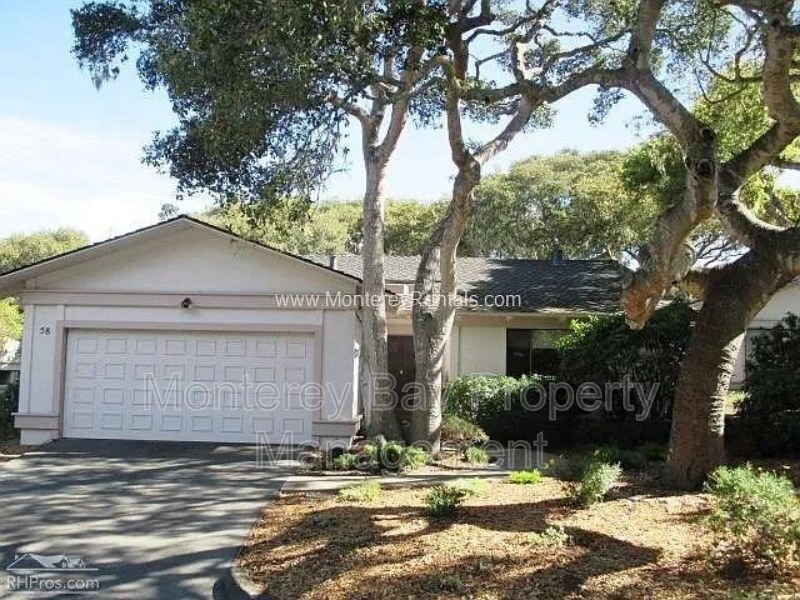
642, 543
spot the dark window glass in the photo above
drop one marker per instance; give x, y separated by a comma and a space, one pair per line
532, 351
518, 352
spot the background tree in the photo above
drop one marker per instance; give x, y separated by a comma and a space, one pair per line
578, 203
20, 249
264, 91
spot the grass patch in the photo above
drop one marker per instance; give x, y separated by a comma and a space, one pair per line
475, 455
525, 477
363, 491
473, 486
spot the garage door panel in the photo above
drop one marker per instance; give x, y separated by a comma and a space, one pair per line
187, 386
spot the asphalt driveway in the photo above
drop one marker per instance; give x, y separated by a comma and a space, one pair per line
156, 520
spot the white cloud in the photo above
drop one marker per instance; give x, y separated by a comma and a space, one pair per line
52, 176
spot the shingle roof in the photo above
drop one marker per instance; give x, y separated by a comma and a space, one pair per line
539, 285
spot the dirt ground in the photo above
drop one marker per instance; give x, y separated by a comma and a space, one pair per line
642, 543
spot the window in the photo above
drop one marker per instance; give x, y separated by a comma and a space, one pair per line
531, 351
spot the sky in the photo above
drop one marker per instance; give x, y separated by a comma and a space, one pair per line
70, 155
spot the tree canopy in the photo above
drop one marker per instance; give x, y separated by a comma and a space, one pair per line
19, 250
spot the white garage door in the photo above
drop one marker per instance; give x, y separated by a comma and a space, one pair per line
221, 387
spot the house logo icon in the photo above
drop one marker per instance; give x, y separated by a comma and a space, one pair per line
28, 562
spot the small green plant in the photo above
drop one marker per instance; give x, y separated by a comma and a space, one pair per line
345, 462
444, 500
475, 455
472, 486
756, 519
459, 429
369, 451
363, 491
448, 583
598, 479
525, 477
552, 537
390, 456
413, 458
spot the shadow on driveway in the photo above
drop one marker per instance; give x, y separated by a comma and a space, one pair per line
157, 519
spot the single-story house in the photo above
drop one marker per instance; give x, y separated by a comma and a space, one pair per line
182, 331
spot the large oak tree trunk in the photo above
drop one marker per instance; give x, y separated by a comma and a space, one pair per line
733, 296
378, 401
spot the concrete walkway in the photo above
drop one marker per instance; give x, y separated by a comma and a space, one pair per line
157, 520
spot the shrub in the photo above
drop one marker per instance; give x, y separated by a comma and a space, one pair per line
413, 458
444, 500
345, 462
475, 455
8, 405
598, 479
390, 455
756, 517
773, 371
473, 486
458, 429
605, 349
363, 491
770, 411
525, 477
552, 537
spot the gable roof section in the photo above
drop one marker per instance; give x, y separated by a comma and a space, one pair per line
592, 286
12, 281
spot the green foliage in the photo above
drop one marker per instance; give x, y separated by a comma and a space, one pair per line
345, 462
413, 458
773, 371
573, 202
458, 429
9, 399
552, 537
475, 455
11, 321
363, 491
444, 500
756, 517
525, 477
473, 486
20, 250
252, 83
770, 411
605, 350
598, 479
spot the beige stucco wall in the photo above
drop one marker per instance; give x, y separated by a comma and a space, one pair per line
478, 342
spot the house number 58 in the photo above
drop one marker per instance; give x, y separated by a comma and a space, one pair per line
44, 330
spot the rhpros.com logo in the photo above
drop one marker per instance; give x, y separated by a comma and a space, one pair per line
51, 574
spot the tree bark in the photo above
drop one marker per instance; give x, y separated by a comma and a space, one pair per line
733, 296
434, 306
379, 404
